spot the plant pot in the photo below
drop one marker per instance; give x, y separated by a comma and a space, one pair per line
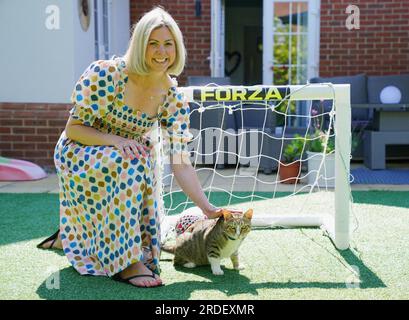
327, 172
289, 172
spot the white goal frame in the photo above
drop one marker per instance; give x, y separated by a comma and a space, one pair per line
337, 226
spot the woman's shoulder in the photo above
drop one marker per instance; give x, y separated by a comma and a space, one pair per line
111, 67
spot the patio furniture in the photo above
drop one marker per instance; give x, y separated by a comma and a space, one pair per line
209, 121
381, 122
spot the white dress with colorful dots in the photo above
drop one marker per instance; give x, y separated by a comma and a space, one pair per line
110, 206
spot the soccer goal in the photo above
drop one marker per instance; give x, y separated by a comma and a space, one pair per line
242, 137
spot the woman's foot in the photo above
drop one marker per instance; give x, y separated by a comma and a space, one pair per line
52, 244
139, 269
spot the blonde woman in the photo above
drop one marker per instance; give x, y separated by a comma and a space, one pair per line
108, 160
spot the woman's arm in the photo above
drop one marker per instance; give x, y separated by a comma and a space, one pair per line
89, 136
187, 179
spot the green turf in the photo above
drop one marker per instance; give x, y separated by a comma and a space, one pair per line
280, 264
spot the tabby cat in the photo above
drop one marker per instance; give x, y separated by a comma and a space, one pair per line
211, 240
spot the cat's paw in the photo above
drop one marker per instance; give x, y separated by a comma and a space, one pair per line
240, 267
218, 272
189, 265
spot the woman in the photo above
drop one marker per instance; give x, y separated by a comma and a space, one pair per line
108, 159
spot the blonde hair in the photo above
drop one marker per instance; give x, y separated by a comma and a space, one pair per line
135, 55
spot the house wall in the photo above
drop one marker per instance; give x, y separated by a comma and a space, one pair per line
381, 46
39, 66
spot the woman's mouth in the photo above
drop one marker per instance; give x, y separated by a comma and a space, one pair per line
161, 61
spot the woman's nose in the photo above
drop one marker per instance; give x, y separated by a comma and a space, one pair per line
161, 49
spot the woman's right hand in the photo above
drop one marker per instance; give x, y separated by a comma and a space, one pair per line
130, 148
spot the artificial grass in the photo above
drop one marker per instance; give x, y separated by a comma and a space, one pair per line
280, 264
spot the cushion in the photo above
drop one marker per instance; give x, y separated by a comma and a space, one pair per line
377, 83
358, 84
359, 93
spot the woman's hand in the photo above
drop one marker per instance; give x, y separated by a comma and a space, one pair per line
130, 148
213, 213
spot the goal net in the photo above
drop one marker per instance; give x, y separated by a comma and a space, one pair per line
245, 139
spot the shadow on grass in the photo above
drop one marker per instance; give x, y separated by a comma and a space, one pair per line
73, 286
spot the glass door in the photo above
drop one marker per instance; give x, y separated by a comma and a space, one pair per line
290, 41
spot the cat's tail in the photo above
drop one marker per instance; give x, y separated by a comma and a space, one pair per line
170, 248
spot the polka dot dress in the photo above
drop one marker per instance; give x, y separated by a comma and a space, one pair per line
109, 209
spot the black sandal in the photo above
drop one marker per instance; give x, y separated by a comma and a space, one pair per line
54, 237
118, 278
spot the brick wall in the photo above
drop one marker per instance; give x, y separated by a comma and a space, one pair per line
379, 47
196, 31
30, 131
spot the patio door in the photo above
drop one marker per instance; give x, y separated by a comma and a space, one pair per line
290, 41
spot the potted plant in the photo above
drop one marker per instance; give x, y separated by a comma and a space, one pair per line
320, 155
289, 168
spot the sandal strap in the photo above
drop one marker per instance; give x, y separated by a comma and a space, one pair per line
140, 276
53, 237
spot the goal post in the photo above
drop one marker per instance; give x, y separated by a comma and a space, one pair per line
337, 225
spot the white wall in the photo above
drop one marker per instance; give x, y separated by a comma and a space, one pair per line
41, 65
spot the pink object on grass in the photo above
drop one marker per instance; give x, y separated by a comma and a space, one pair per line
19, 170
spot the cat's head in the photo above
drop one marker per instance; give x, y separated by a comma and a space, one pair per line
236, 224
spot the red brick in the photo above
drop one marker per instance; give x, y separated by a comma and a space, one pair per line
35, 138
34, 154
23, 130
11, 138
12, 153
10, 122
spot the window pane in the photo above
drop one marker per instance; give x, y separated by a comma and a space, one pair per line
300, 16
281, 17
298, 74
299, 49
281, 54
280, 75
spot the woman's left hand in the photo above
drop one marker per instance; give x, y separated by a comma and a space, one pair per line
217, 212
212, 213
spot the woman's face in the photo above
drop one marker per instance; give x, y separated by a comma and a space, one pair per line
161, 50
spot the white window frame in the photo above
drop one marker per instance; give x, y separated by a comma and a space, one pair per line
103, 36
217, 38
313, 38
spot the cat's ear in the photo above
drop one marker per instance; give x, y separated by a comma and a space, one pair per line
226, 214
248, 214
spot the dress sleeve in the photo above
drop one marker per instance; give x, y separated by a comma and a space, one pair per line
93, 93
176, 122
